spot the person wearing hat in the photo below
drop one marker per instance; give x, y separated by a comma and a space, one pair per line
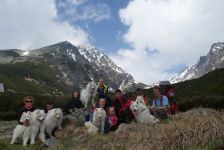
139, 93
28, 106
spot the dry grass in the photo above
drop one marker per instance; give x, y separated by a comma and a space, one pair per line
194, 129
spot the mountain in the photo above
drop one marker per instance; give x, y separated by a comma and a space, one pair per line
73, 66
213, 60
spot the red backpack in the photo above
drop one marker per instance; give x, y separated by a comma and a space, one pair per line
170, 93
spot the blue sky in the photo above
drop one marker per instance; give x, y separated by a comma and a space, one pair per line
105, 34
152, 40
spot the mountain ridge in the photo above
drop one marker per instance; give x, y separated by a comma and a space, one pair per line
213, 60
77, 64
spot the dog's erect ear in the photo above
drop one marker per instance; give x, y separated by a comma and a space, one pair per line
38, 111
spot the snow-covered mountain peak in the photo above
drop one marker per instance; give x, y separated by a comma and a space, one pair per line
92, 54
213, 60
216, 47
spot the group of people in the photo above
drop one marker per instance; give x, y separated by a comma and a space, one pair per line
117, 110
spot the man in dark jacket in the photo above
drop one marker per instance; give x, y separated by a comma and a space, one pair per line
73, 104
122, 108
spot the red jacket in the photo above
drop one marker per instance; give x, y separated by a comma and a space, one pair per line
113, 120
124, 104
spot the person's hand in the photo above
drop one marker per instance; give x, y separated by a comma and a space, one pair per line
152, 108
26, 123
75, 109
70, 110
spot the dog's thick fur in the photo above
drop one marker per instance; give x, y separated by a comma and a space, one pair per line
37, 125
53, 120
21, 131
99, 116
89, 93
142, 114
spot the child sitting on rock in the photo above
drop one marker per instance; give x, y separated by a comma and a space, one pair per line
111, 121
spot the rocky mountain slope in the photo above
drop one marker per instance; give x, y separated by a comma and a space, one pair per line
76, 65
213, 60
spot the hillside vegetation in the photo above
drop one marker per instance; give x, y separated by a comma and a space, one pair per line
31, 78
36, 79
206, 91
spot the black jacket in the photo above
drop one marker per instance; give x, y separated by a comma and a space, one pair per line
20, 112
71, 104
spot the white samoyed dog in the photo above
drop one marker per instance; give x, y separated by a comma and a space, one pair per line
98, 122
53, 120
142, 114
37, 125
140, 99
89, 93
21, 131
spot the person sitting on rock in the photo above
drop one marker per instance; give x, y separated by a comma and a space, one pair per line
28, 106
100, 104
73, 104
111, 122
49, 106
139, 93
122, 107
160, 106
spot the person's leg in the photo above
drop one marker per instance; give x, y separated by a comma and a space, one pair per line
125, 117
159, 113
107, 126
91, 116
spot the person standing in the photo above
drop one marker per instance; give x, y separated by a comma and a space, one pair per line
102, 92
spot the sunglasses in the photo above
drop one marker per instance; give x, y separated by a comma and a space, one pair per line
28, 101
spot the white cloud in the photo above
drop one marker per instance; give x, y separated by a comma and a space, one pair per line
81, 10
29, 24
181, 30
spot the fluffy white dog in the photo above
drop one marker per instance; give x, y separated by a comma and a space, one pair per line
89, 93
21, 131
142, 114
99, 116
37, 125
140, 99
53, 120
